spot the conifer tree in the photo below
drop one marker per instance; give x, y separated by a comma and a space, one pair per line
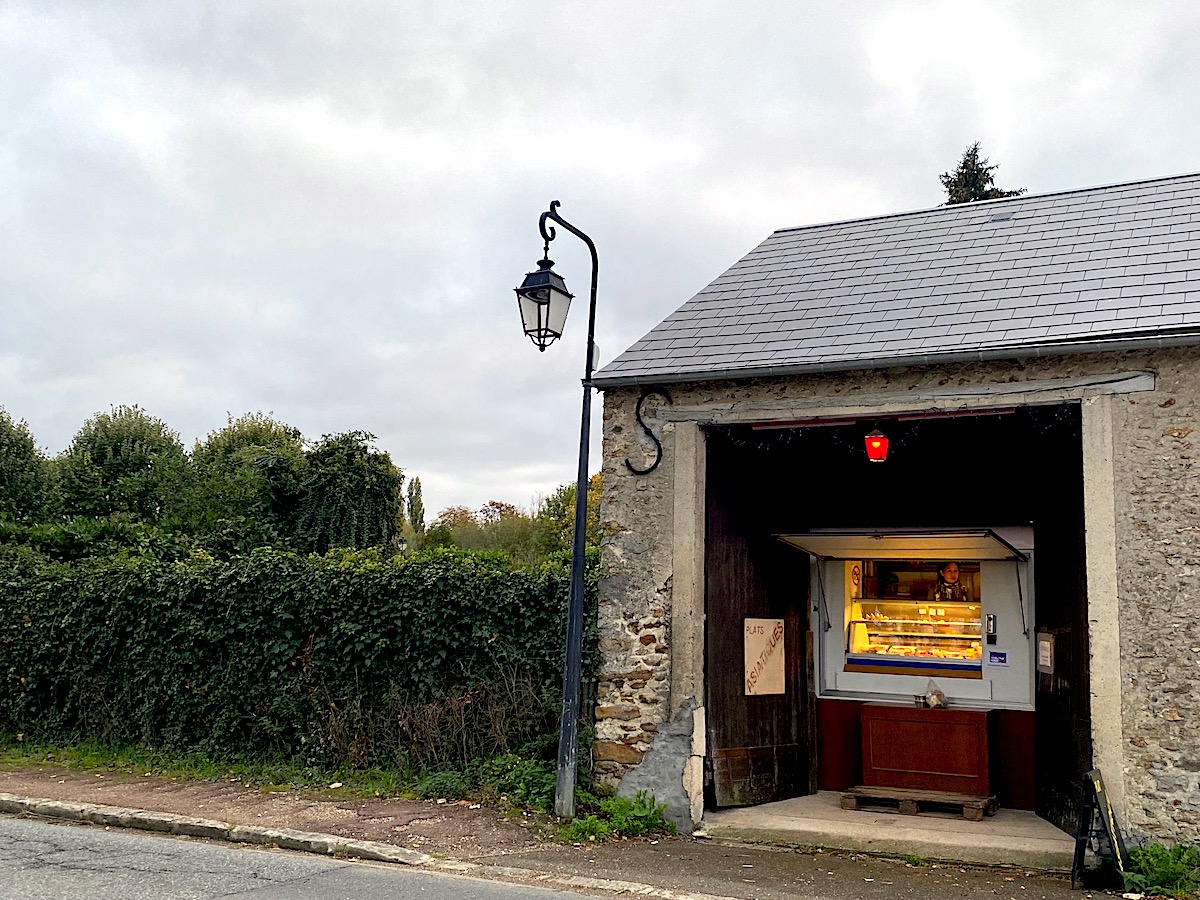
972, 180
416, 507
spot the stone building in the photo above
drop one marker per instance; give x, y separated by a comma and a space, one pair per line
1033, 362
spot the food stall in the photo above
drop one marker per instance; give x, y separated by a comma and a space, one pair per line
899, 616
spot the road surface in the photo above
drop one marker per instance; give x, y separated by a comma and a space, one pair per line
41, 861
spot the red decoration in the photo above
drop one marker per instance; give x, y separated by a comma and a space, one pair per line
877, 444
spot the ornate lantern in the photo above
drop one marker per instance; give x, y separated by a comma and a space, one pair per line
544, 300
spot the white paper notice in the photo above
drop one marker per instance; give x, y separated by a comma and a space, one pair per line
1045, 655
764, 656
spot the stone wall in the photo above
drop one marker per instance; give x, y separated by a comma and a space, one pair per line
633, 700
1158, 582
1158, 569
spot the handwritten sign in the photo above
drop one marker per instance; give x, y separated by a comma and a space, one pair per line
764, 656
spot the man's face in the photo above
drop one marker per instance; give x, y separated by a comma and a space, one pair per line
950, 572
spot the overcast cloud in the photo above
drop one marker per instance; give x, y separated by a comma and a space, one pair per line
320, 209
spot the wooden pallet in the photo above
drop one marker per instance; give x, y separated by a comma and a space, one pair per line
911, 801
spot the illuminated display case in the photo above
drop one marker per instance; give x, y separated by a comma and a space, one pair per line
911, 622
914, 638
893, 610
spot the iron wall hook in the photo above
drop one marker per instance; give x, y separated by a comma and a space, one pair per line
658, 448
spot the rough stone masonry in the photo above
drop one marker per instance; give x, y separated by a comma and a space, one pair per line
650, 708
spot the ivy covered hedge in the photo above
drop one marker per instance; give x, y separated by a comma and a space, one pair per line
345, 658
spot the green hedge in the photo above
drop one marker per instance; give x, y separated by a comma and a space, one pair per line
346, 658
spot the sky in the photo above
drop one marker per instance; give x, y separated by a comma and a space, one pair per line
319, 210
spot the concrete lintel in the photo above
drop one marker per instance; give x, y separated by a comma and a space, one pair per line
971, 397
1104, 631
687, 604
687, 552
693, 773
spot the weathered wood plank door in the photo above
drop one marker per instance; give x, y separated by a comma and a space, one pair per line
759, 747
1062, 700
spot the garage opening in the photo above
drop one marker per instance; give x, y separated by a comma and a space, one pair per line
1021, 468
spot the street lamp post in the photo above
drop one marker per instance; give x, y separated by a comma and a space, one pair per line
544, 300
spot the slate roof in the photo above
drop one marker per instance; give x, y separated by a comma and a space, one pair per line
1099, 268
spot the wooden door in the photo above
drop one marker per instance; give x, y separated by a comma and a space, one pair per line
759, 747
1062, 699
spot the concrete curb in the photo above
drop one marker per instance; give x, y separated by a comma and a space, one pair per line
322, 844
168, 823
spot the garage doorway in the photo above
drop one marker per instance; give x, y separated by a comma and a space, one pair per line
1020, 467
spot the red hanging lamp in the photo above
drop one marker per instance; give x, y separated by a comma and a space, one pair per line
877, 446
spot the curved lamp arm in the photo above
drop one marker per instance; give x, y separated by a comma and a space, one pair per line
548, 235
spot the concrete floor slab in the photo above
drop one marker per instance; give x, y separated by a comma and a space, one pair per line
1011, 837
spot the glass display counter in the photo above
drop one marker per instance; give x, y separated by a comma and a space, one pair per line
911, 637
908, 617
893, 610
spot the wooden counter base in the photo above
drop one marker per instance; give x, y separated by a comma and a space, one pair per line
943, 750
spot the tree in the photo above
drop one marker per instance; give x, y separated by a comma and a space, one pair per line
247, 482
497, 526
24, 485
972, 180
438, 536
556, 517
495, 511
502, 527
352, 495
123, 461
454, 526
416, 506
455, 517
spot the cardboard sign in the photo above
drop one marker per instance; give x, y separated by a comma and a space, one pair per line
764, 657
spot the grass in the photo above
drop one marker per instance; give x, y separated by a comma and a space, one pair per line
516, 785
1157, 869
265, 774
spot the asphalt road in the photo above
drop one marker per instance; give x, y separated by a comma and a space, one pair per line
40, 861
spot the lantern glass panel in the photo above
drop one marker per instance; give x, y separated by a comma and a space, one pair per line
560, 304
533, 312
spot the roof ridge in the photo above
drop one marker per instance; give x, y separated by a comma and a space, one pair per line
974, 204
